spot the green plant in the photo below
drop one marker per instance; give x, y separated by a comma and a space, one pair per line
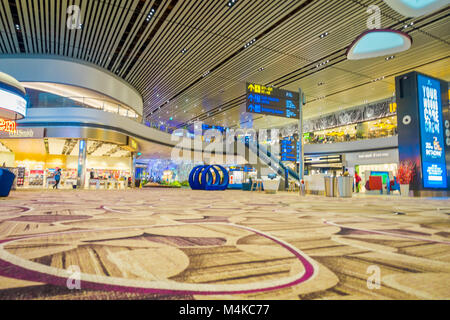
175, 184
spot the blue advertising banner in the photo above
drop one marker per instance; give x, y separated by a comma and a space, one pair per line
434, 172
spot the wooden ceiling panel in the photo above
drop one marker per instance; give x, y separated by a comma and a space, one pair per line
148, 53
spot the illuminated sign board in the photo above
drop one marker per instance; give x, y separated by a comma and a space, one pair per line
11, 103
272, 101
206, 127
21, 133
7, 126
434, 171
290, 150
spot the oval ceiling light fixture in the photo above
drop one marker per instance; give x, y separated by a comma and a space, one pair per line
377, 43
416, 8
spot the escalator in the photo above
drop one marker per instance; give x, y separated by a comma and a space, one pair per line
268, 159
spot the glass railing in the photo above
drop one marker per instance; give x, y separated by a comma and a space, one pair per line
328, 139
48, 100
271, 160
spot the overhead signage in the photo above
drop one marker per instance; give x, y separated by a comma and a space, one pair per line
11, 103
290, 150
272, 101
132, 145
373, 155
434, 171
206, 127
7, 126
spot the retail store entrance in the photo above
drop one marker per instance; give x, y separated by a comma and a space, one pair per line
36, 160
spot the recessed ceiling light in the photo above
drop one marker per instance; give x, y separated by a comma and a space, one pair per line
231, 3
150, 15
390, 58
322, 63
323, 35
251, 42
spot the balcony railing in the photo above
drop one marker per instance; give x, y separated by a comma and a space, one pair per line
48, 100
320, 139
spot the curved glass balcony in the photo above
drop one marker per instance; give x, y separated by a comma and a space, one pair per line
38, 99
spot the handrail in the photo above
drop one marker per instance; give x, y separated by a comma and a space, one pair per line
48, 100
267, 157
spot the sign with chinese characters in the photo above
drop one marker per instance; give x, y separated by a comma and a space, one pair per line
290, 150
8, 126
432, 133
272, 101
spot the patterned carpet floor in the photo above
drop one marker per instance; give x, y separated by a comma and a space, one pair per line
183, 244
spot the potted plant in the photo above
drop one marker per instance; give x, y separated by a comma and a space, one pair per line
405, 175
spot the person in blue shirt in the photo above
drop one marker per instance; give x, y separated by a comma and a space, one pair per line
57, 178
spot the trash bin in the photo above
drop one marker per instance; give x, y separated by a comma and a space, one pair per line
331, 187
345, 186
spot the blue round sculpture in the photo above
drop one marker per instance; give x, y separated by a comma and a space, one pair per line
209, 178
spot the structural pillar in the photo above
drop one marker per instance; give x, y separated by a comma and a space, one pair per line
133, 169
301, 168
82, 154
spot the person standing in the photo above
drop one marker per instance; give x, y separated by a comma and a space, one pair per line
57, 178
358, 181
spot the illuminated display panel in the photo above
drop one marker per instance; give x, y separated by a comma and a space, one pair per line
272, 101
7, 126
434, 169
12, 103
290, 150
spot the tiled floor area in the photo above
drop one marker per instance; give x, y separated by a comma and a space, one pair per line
182, 244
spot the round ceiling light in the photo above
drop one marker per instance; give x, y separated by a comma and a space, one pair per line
377, 43
416, 8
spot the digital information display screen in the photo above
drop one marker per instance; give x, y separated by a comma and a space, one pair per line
272, 101
434, 171
290, 150
12, 102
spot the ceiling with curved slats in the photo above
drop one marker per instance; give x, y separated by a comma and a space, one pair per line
189, 59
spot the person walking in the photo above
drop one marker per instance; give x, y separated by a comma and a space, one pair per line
57, 178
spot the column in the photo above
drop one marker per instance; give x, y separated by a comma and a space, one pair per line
301, 168
81, 176
133, 169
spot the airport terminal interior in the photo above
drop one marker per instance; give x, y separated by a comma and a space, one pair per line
224, 150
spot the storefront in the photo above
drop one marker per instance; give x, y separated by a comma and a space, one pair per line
382, 163
34, 156
240, 176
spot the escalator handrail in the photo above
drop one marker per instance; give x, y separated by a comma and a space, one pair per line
262, 150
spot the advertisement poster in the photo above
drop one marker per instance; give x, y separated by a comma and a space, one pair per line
432, 133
